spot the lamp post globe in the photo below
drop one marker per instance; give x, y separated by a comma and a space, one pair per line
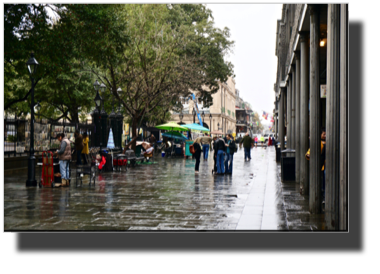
96, 85
32, 65
103, 87
97, 99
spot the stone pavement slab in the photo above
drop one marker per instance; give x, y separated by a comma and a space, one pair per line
167, 195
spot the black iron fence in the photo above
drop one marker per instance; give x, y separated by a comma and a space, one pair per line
17, 135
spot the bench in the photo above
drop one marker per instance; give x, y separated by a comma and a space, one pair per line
131, 156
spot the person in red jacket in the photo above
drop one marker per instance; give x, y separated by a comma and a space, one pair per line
101, 160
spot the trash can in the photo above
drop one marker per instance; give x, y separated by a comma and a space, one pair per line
278, 152
288, 165
178, 149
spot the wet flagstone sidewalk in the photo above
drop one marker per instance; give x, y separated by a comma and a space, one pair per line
167, 195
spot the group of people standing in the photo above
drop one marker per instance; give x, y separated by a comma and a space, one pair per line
224, 149
64, 154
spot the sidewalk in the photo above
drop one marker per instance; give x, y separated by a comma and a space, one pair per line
166, 196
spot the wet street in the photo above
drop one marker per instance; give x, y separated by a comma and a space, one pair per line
166, 195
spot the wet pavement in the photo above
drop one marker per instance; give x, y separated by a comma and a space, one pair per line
167, 195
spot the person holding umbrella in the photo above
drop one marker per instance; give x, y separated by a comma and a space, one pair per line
172, 126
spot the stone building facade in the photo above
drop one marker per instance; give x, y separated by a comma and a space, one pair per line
222, 110
311, 93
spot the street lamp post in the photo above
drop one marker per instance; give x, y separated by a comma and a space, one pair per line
95, 116
119, 123
194, 115
203, 116
181, 117
210, 122
32, 65
103, 119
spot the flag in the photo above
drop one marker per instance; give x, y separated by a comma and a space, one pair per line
264, 114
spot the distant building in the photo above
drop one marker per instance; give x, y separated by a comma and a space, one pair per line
222, 110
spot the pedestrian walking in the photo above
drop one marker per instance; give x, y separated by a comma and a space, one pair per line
262, 140
206, 146
230, 150
256, 140
221, 148
85, 150
64, 156
197, 154
247, 144
78, 146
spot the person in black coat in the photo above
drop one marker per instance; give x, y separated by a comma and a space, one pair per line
230, 150
215, 153
197, 154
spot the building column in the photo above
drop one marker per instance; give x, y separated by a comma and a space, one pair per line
289, 113
275, 119
343, 117
298, 133
293, 113
315, 133
304, 114
332, 118
281, 119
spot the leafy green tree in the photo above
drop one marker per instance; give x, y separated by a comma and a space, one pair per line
28, 28
257, 121
208, 43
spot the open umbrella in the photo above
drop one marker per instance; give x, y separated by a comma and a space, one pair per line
175, 135
172, 126
196, 127
218, 132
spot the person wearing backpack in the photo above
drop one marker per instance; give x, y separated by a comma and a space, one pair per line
78, 146
230, 150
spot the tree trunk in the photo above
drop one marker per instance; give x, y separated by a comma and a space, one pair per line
134, 135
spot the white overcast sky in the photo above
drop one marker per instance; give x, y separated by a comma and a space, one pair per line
253, 28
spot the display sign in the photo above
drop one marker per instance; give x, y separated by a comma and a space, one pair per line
197, 110
323, 91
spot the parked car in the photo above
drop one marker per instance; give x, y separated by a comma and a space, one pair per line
266, 136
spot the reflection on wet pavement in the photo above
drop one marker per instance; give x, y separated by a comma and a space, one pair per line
166, 196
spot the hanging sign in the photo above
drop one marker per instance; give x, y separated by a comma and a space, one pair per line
323, 91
